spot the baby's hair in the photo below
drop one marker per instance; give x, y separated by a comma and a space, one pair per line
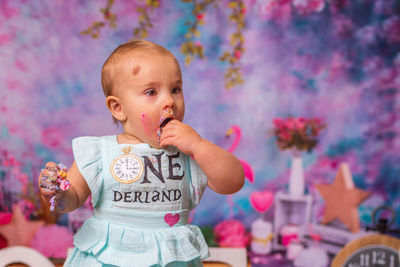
110, 73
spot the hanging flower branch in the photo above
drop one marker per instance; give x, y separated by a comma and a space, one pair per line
192, 48
94, 30
144, 19
233, 75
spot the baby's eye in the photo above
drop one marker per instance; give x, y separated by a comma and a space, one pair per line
150, 92
176, 90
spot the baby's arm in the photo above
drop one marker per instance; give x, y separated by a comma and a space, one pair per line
70, 199
224, 171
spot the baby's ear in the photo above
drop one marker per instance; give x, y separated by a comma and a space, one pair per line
114, 105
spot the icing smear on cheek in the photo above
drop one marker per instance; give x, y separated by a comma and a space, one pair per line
147, 125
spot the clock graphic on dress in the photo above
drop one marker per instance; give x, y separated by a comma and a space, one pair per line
127, 168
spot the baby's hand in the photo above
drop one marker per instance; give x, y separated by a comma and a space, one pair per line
180, 135
52, 183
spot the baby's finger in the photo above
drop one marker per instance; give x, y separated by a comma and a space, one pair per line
47, 187
168, 133
51, 165
168, 141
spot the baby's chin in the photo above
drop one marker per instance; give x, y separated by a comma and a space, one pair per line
154, 143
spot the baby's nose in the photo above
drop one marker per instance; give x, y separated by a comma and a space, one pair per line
169, 101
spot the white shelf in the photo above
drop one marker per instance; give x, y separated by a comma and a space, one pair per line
295, 210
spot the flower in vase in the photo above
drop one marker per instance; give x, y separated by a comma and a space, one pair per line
297, 133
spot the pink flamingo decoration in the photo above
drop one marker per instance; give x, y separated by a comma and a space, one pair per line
248, 170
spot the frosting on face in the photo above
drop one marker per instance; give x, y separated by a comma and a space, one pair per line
147, 125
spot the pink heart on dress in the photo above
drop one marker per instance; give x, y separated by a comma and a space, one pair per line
171, 219
261, 201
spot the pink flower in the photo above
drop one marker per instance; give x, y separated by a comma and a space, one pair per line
237, 54
285, 136
290, 124
300, 123
278, 122
200, 16
300, 133
231, 233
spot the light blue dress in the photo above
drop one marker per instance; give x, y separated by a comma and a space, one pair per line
141, 198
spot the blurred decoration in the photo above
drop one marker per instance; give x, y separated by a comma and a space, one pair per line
108, 17
16, 188
5, 218
248, 170
261, 230
192, 47
261, 201
232, 234
20, 231
297, 133
382, 218
144, 18
233, 75
209, 236
342, 199
313, 256
53, 241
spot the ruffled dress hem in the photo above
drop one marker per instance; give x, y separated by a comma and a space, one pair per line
128, 246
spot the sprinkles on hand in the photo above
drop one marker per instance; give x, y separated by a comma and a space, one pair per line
58, 180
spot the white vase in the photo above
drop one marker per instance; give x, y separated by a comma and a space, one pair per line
296, 179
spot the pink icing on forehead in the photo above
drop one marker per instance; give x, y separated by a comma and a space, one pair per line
147, 125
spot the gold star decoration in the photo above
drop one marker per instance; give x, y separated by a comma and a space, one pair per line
342, 199
20, 231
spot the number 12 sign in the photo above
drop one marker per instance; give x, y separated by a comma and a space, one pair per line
369, 251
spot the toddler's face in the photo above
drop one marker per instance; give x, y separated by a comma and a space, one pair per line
150, 92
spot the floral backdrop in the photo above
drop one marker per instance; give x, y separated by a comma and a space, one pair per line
337, 60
